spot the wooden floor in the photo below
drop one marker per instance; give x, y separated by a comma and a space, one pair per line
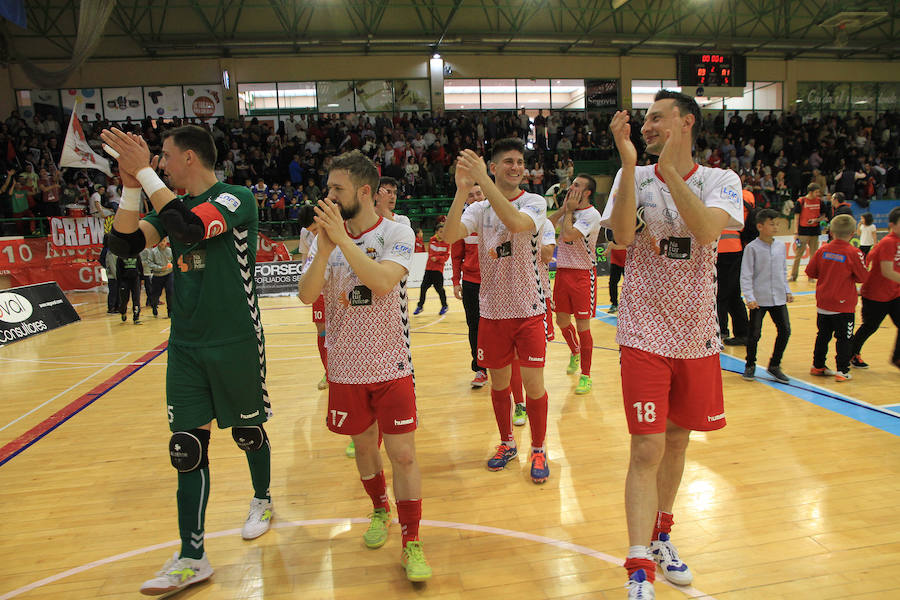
789, 501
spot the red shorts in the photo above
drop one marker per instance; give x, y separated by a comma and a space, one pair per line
319, 309
548, 322
500, 339
686, 391
575, 292
353, 407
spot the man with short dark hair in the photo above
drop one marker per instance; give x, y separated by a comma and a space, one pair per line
670, 216
217, 365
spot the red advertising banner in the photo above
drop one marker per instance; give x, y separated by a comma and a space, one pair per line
29, 261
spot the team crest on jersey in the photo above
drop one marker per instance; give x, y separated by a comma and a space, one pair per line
371, 253
229, 201
214, 228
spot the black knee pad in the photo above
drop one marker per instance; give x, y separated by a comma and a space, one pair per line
249, 439
189, 450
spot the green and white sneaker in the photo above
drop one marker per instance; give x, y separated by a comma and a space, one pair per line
377, 533
177, 574
584, 385
573, 364
350, 451
520, 416
413, 560
258, 520
323, 383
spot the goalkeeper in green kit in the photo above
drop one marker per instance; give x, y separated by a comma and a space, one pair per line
217, 366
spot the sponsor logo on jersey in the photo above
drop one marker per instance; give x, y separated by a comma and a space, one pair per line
730, 195
834, 256
214, 228
409, 421
229, 201
645, 183
402, 250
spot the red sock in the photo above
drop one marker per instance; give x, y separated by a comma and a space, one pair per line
409, 513
377, 490
587, 350
503, 413
664, 522
537, 419
323, 352
571, 337
649, 567
515, 382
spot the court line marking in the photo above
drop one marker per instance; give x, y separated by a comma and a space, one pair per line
65, 391
689, 591
36, 433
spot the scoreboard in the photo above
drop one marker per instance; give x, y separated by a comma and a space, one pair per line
713, 70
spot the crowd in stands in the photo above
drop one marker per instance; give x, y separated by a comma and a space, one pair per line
776, 155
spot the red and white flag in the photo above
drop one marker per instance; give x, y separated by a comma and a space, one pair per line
77, 153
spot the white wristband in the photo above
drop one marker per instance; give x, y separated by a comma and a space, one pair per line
131, 199
150, 181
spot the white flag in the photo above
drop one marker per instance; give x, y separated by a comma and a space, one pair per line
77, 153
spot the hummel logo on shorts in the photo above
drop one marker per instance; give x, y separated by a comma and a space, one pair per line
405, 421
535, 358
251, 415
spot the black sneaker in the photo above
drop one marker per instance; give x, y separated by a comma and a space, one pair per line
776, 372
736, 341
124, 318
155, 311
749, 373
613, 309
858, 362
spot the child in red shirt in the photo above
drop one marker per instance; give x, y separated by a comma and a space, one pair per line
837, 266
438, 253
881, 291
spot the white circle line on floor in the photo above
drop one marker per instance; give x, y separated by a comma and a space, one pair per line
568, 546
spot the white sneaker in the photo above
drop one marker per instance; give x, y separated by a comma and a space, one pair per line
258, 520
666, 556
177, 574
639, 588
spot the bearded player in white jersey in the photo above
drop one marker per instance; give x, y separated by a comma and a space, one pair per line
359, 262
667, 331
511, 298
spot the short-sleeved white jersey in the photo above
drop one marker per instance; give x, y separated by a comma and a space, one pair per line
668, 304
510, 274
582, 253
402, 219
368, 336
548, 238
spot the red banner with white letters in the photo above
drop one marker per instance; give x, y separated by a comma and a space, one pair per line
29, 261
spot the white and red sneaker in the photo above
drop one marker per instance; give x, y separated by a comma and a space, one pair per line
481, 378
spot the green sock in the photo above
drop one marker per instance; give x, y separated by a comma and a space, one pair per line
260, 462
193, 494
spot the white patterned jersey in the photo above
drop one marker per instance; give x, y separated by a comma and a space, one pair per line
548, 238
305, 243
668, 304
368, 336
402, 219
510, 275
582, 253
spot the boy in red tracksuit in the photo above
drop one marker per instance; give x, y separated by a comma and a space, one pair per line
838, 267
467, 285
438, 253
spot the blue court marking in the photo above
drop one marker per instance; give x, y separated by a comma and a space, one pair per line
885, 418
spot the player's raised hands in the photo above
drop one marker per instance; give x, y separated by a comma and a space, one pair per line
331, 225
130, 150
473, 166
620, 127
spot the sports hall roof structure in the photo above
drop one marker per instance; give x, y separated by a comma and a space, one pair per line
858, 29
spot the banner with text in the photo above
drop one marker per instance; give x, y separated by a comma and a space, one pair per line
277, 278
78, 232
37, 260
30, 310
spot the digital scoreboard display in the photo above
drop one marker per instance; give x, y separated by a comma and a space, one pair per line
713, 70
